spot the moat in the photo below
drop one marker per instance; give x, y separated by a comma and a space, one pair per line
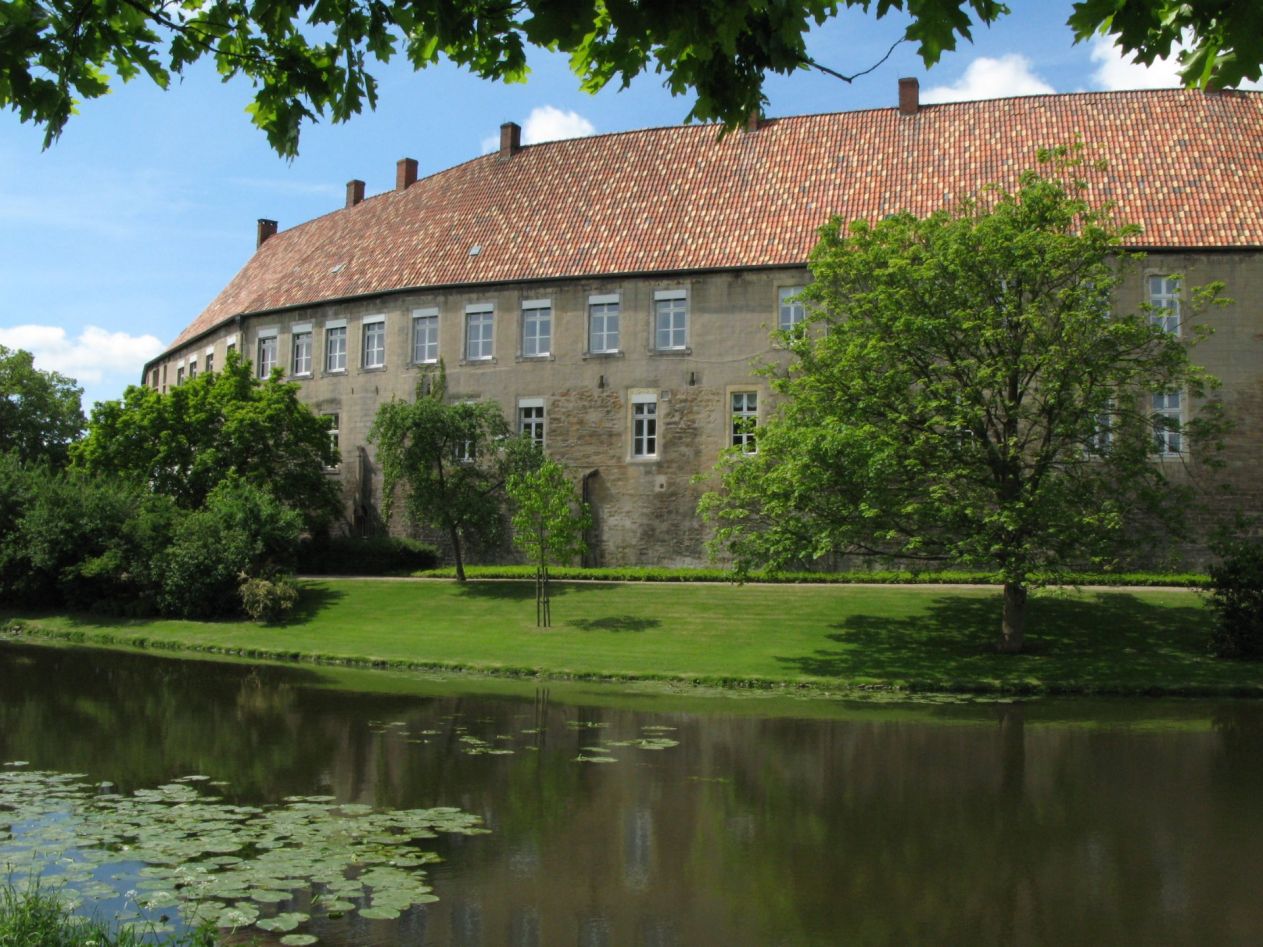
592, 817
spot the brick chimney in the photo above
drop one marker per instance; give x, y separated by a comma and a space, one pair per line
354, 192
754, 120
267, 228
510, 139
405, 173
909, 96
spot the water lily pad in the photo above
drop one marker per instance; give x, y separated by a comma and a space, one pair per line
282, 922
298, 940
381, 913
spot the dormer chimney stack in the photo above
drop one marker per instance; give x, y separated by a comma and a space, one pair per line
510, 139
405, 173
909, 96
354, 192
267, 228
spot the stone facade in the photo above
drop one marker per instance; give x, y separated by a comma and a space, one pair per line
451, 251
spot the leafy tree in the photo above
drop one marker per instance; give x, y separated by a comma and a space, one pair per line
40, 414
445, 460
964, 393
71, 539
215, 426
307, 59
549, 524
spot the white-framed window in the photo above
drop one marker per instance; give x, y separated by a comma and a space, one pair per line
644, 424
670, 319
745, 418
1164, 298
603, 311
192, 368
1167, 420
210, 361
335, 346
374, 342
425, 336
179, 375
1102, 437
267, 352
153, 379
334, 433
530, 419
479, 332
302, 346
537, 327
789, 311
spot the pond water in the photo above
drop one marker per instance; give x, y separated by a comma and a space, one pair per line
628, 818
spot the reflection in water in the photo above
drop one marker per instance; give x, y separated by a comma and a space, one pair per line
992, 824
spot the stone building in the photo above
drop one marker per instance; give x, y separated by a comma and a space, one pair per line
611, 293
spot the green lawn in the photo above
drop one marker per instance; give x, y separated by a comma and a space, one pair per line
1118, 641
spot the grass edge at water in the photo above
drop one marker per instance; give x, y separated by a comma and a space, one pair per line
35, 916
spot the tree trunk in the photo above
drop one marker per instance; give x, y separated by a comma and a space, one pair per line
1013, 624
454, 533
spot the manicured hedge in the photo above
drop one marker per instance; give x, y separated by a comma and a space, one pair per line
889, 577
352, 555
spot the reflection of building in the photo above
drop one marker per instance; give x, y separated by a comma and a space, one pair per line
611, 292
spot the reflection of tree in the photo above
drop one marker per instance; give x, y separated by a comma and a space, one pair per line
996, 826
138, 721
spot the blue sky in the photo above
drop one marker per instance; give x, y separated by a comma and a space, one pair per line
119, 235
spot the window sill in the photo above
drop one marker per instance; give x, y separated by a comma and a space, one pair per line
423, 366
371, 369
474, 362
333, 373
301, 376
618, 354
547, 357
647, 459
671, 353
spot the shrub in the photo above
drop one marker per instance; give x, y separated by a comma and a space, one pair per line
1236, 594
241, 530
268, 600
352, 555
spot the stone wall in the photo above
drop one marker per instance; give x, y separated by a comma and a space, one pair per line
645, 508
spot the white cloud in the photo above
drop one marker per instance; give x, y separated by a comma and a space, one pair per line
987, 78
93, 357
547, 123
1116, 69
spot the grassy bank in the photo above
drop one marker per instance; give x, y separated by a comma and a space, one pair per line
39, 918
837, 638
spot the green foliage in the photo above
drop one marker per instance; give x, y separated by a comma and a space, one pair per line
1236, 594
40, 414
549, 524
447, 463
82, 541
373, 555
948, 399
241, 532
308, 59
216, 426
268, 600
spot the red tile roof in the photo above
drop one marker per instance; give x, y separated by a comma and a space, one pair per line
1186, 166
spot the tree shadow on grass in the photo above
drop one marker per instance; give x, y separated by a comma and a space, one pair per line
615, 623
524, 589
1108, 641
312, 599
